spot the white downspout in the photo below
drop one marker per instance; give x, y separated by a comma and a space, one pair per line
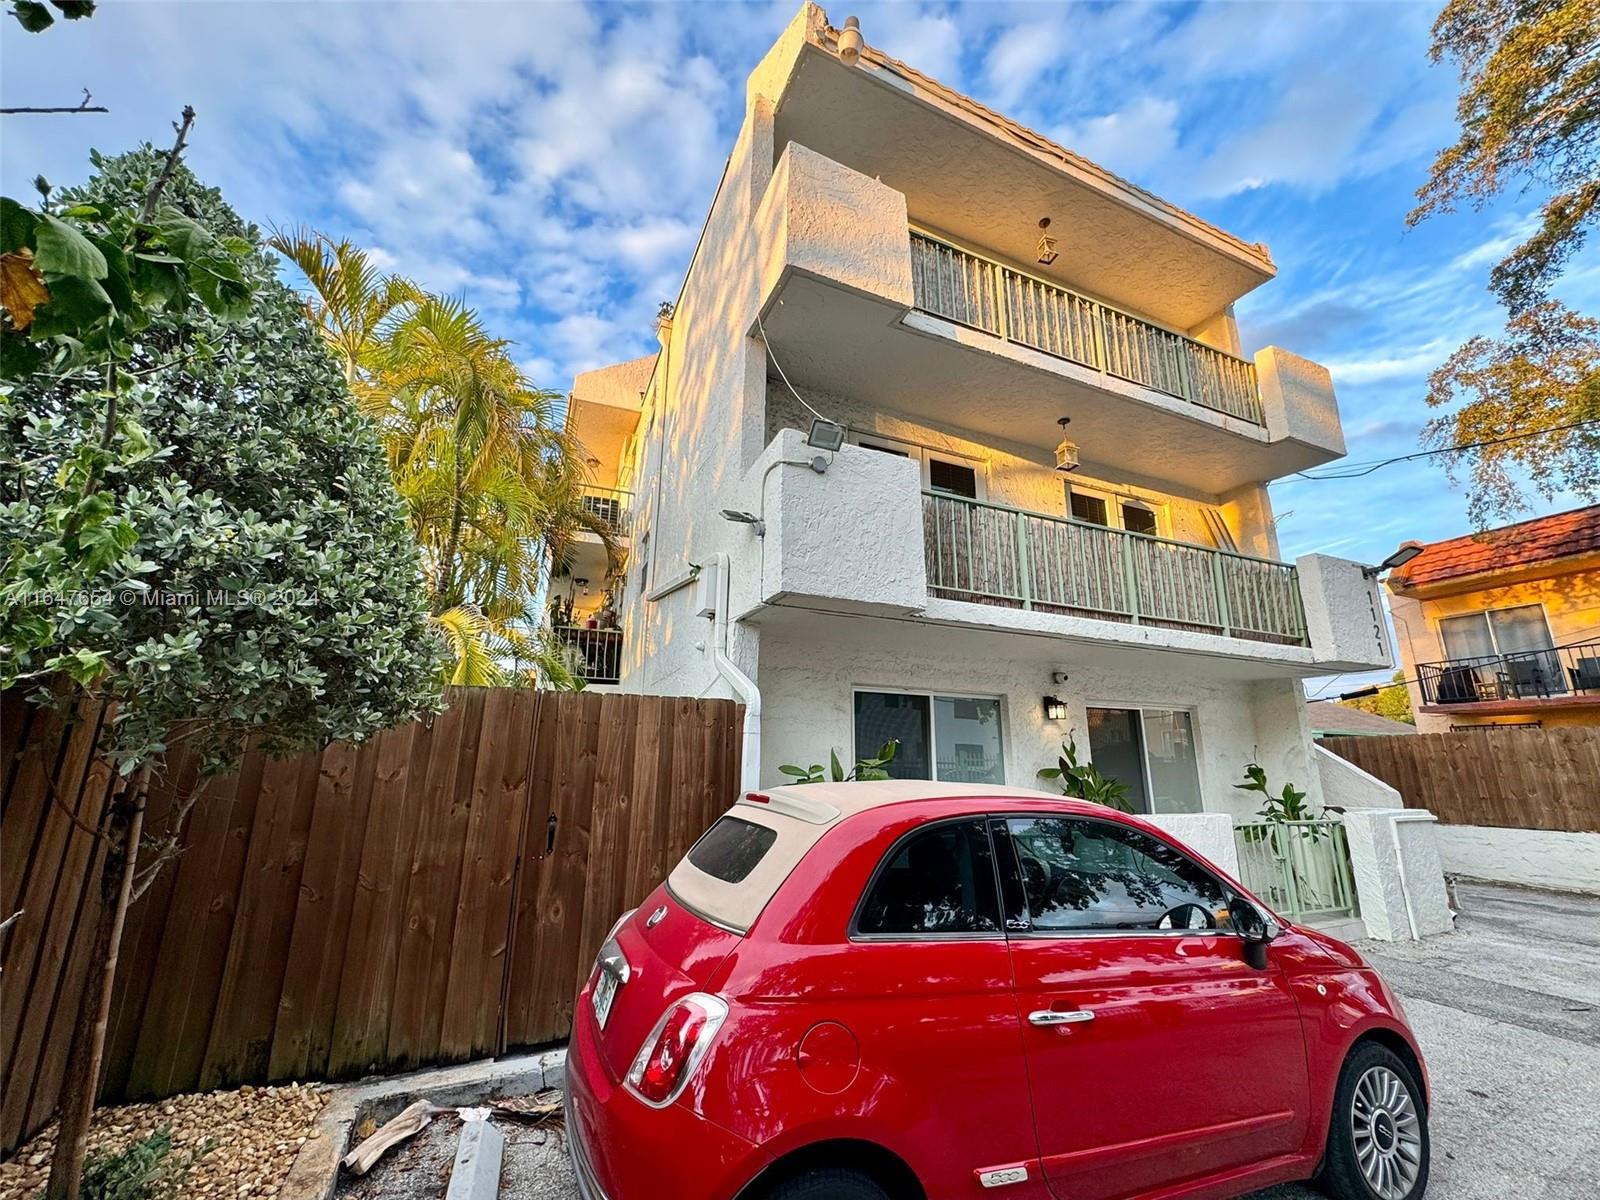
750, 751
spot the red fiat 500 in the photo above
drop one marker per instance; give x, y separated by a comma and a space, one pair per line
888, 991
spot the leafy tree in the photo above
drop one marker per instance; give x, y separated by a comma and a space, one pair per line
1393, 702
1543, 375
199, 526
36, 18
1529, 112
492, 486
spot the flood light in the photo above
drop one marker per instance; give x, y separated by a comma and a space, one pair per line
825, 435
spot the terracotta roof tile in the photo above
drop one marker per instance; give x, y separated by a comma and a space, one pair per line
1542, 539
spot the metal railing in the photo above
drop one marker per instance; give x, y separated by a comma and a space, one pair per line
1300, 868
995, 554
610, 505
595, 654
1525, 675
965, 287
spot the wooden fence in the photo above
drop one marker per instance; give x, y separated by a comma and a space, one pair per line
1514, 778
432, 895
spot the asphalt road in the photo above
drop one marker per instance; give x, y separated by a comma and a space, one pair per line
1507, 1009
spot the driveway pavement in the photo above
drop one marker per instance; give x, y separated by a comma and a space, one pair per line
1508, 1012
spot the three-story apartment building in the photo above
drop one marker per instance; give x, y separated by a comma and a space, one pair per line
889, 262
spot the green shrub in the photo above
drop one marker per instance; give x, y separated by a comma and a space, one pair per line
149, 1169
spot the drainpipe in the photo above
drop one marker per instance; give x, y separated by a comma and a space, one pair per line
750, 749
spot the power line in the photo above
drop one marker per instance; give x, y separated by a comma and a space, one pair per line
1357, 470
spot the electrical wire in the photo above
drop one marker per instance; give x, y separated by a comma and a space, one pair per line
1358, 470
809, 408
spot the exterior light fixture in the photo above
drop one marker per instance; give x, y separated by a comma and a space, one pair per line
1055, 709
825, 435
1067, 450
744, 518
850, 42
1398, 559
1047, 244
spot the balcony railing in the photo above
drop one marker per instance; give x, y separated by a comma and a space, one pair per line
610, 505
595, 654
994, 554
1021, 308
1565, 671
1300, 868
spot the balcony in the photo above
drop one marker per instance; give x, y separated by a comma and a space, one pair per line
1514, 682
961, 286
854, 303
992, 554
610, 506
593, 654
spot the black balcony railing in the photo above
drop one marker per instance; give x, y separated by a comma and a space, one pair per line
1527, 675
594, 654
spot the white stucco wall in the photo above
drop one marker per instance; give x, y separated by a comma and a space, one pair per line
1344, 615
1298, 401
1207, 834
1345, 785
1399, 878
819, 549
810, 664
1530, 857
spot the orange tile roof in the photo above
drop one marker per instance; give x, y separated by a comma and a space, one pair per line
1542, 539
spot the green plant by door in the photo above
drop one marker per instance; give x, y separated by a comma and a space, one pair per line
1085, 781
1290, 805
865, 768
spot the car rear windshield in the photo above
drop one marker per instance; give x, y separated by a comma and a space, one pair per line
731, 848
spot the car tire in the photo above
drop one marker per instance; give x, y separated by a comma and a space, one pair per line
828, 1183
1378, 1146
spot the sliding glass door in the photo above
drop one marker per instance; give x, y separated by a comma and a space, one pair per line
1152, 751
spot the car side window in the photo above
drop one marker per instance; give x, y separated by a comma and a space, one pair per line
939, 880
1094, 876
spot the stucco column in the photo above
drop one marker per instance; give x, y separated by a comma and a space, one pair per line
1394, 860
1209, 834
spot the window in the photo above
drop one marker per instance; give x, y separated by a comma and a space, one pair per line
1098, 877
953, 479
1152, 751
947, 473
955, 739
1088, 508
1520, 637
938, 880
1137, 518
731, 848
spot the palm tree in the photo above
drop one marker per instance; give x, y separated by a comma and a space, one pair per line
491, 485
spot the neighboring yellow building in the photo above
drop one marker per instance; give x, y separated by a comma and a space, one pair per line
1503, 627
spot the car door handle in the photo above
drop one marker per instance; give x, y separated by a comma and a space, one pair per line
1050, 1016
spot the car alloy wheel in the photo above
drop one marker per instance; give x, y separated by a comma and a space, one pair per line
1386, 1133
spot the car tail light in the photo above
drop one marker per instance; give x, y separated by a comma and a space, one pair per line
675, 1047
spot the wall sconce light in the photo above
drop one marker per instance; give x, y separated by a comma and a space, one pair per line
1047, 244
1067, 450
1055, 709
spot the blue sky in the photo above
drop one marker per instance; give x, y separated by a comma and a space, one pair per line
552, 163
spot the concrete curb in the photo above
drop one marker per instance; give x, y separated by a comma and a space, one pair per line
475, 1175
315, 1170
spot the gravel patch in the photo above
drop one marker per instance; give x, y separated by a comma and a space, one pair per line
254, 1134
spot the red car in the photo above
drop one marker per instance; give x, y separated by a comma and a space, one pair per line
919, 991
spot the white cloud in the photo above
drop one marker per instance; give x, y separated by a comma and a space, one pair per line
1129, 142
1017, 58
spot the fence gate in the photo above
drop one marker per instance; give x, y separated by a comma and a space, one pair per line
1300, 868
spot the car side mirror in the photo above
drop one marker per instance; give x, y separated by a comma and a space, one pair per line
1256, 929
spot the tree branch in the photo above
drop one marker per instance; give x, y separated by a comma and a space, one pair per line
148, 213
83, 106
